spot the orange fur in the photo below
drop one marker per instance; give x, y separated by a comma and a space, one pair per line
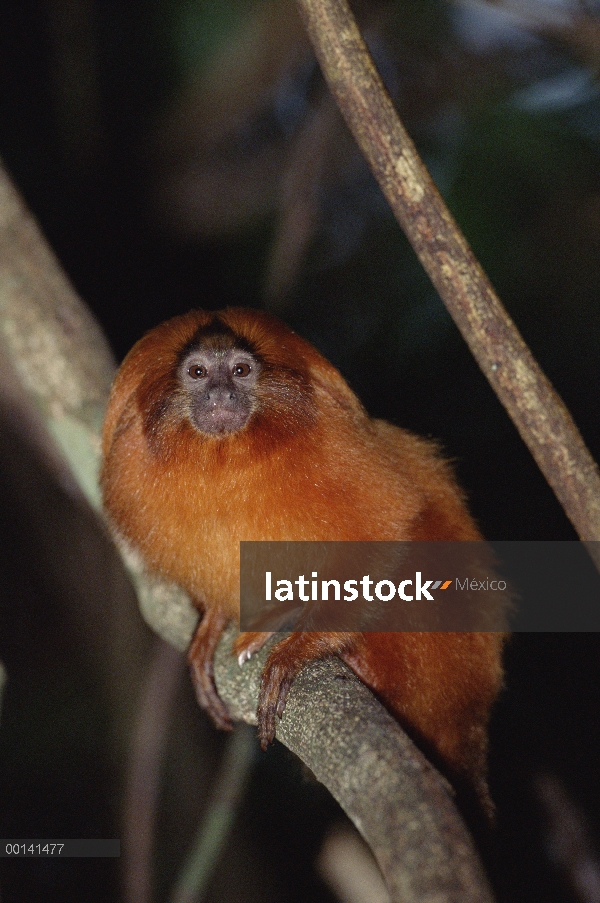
310, 464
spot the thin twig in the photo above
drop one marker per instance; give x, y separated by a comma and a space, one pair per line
223, 806
537, 411
2, 682
144, 766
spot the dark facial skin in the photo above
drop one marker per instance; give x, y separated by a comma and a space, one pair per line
219, 383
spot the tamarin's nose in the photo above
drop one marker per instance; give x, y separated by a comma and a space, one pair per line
219, 394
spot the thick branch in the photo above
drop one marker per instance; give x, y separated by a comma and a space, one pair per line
57, 349
537, 411
333, 723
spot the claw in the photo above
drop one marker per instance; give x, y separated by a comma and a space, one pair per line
247, 644
282, 699
244, 657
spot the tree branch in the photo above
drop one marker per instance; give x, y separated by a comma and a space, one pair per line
535, 408
397, 800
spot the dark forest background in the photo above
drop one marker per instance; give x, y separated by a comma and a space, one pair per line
182, 153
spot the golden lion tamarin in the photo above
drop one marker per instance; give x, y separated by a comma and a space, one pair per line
228, 426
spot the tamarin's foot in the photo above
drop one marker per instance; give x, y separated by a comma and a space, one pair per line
200, 658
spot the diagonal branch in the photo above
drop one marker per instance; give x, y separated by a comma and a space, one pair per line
535, 408
332, 722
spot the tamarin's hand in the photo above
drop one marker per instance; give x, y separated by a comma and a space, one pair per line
228, 426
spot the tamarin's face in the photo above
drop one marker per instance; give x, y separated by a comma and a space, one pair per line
235, 381
218, 377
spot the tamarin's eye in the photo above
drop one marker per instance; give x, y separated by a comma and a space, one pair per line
241, 369
197, 371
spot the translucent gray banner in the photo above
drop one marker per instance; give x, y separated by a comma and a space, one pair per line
59, 849
418, 586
